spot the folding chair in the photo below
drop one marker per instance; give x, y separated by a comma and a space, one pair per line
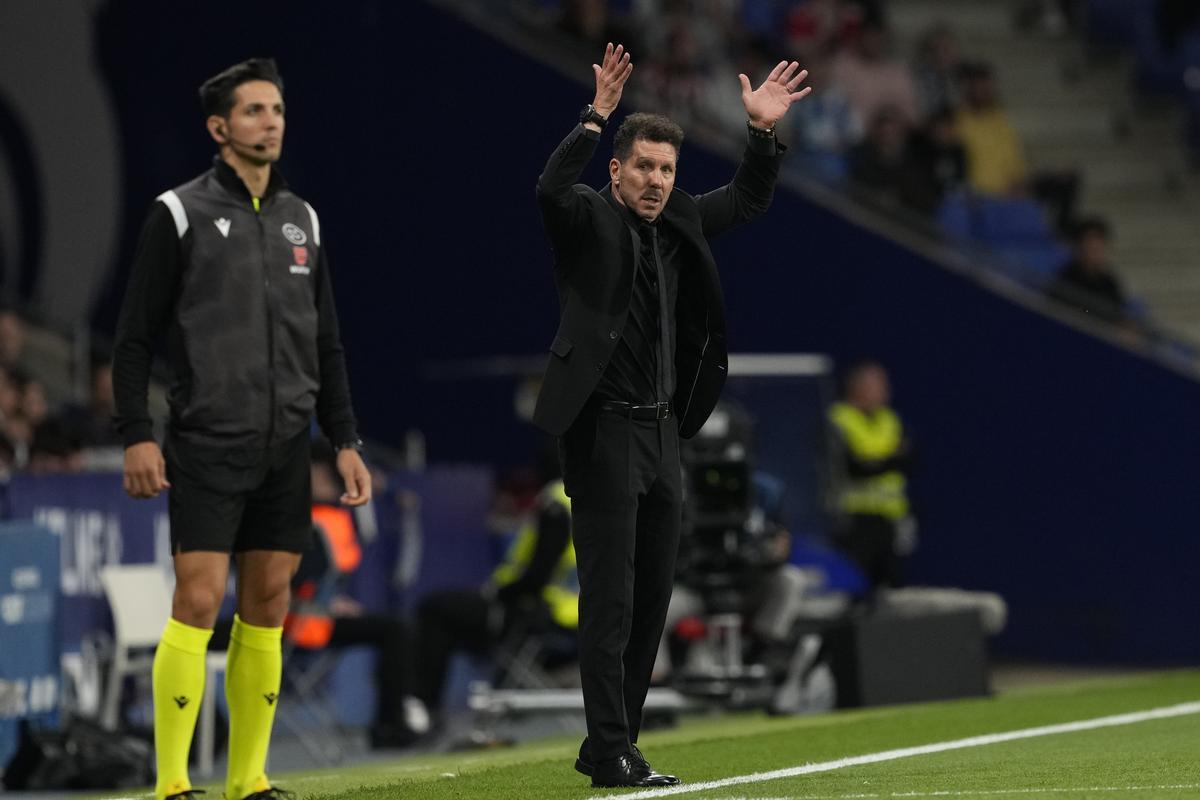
140, 598
311, 713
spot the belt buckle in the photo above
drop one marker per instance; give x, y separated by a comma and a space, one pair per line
663, 411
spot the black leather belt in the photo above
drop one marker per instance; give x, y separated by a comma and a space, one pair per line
646, 412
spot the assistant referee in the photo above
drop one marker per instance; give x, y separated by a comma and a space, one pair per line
231, 274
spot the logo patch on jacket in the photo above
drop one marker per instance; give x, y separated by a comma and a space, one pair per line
294, 233
223, 226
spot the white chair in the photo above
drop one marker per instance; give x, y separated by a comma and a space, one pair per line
140, 598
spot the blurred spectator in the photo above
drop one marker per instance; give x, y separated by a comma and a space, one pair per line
534, 591
688, 49
940, 153
8, 465
885, 165
995, 158
1088, 282
12, 339
936, 71
827, 127
34, 406
877, 531
872, 79
93, 423
18, 426
591, 21
810, 29
10, 400
54, 450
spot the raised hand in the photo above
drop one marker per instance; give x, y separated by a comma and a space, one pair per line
767, 104
610, 78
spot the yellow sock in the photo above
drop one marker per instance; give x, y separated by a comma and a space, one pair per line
251, 688
178, 689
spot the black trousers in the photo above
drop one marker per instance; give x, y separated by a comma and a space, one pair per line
624, 480
448, 621
391, 638
393, 674
870, 540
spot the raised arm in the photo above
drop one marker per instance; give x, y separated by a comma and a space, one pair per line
561, 206
750, 192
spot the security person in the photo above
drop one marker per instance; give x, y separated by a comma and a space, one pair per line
231, 271
537, 576
877, 527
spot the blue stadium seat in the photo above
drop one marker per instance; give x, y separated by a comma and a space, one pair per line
1035, 265
1005, 221
955, 217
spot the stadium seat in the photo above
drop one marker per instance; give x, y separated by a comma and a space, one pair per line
955, 217
1011, 221
139, 596
1036, 264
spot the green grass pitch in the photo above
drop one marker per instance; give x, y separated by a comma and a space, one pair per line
1139, 761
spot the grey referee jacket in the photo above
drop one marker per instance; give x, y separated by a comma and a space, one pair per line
245, 301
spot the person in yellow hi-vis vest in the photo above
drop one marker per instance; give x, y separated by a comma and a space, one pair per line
538, 576
877, 529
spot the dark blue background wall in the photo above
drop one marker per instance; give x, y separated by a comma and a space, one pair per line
1056, 469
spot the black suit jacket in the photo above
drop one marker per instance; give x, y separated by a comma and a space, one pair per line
594, 260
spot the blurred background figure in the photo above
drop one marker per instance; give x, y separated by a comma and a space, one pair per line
12, 339
1089, 282
534, 592
92, 420
935, 70
888, 165
324, 616
877, 530
872, 78
995, 155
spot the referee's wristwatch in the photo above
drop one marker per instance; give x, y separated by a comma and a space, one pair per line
356, 444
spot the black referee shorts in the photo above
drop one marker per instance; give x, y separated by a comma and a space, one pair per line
231, 499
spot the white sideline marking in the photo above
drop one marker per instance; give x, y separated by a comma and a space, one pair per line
1183, 709
977, 792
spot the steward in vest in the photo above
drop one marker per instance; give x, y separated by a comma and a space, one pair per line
542, 555
537, 582
877, 528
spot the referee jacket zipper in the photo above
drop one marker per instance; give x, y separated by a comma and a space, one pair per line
266, 271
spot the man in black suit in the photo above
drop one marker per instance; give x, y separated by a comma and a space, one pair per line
639, 360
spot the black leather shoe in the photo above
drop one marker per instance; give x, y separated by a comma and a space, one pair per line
274, 793
628, 770
583, 764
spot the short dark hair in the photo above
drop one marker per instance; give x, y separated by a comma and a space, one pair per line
851, 372
216, 93
1085, 226
649, 127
